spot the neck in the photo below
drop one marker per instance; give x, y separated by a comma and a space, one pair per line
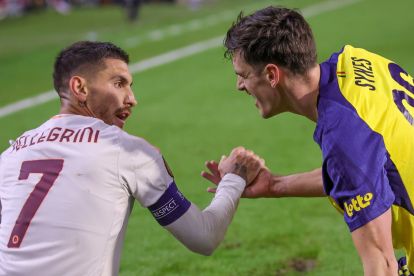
303, 92
72, 107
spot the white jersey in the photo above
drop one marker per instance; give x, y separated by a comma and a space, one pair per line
66, 190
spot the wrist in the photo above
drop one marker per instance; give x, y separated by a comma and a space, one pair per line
234, 178
232, 181
278, 186
239, 170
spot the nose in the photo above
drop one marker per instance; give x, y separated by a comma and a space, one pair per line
240, 84
130, 99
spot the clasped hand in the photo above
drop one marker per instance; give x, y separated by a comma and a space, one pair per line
247, 165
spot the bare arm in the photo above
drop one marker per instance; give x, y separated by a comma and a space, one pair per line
266, 184
306, 184
373, 242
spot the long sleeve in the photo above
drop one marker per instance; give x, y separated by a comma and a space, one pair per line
202, 231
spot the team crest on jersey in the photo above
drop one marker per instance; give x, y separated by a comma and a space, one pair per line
168, 168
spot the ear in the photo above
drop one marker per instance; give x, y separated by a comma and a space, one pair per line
272, 72
77, 87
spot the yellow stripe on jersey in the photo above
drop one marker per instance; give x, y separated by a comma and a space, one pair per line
368, 86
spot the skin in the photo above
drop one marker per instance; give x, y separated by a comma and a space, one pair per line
105, 94
238, 163
277, 90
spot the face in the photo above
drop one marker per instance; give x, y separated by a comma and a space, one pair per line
257, 85
110, 97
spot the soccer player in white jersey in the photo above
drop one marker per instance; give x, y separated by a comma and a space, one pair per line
67, 187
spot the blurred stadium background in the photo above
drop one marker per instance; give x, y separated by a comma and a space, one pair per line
188, 108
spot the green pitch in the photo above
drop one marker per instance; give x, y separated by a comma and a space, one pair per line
190, 109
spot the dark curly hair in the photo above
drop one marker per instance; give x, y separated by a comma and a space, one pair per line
273, 35
83, 57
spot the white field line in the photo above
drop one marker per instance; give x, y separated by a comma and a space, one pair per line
170, 57
134, 68
178, 29
193, 25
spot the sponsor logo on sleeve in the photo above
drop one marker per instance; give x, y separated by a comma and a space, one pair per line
357, 203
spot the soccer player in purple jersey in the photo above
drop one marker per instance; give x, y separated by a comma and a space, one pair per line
68, 186
362, 104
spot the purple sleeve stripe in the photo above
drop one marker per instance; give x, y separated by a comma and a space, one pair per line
170, 206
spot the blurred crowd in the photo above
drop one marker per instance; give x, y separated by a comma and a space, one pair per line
15, 8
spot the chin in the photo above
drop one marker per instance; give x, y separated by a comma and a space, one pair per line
266, 116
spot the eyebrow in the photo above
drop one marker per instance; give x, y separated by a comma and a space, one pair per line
122, 78
241, 74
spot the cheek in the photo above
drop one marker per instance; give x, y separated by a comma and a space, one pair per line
103, 103
267, 99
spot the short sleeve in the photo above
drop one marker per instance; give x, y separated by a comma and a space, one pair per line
142, 170
151, 181
354, 168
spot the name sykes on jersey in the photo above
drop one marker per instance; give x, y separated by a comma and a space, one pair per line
364, 75
57, 134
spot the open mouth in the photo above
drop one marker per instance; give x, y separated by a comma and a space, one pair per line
122, 116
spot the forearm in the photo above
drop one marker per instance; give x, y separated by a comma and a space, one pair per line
380, 265
308, 184
202, 231
373, 242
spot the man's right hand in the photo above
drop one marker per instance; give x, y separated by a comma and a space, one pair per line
241, 162
260, 187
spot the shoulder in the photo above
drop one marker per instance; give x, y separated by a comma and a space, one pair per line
137, 152
134, 144
342, 132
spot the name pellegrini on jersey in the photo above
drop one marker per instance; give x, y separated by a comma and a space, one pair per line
358, 203
57, 134
364, 75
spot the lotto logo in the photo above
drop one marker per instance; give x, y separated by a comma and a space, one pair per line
358, 203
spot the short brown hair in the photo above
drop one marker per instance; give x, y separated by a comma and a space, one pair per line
273, 35
81, 56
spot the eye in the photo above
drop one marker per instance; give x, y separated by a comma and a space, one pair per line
118, 84
243, 76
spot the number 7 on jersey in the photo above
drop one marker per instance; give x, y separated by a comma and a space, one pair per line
50, 169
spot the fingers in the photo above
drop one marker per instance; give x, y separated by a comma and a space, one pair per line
254, 164
241, 161
214, 174
237, 150
211, 177
212, 166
